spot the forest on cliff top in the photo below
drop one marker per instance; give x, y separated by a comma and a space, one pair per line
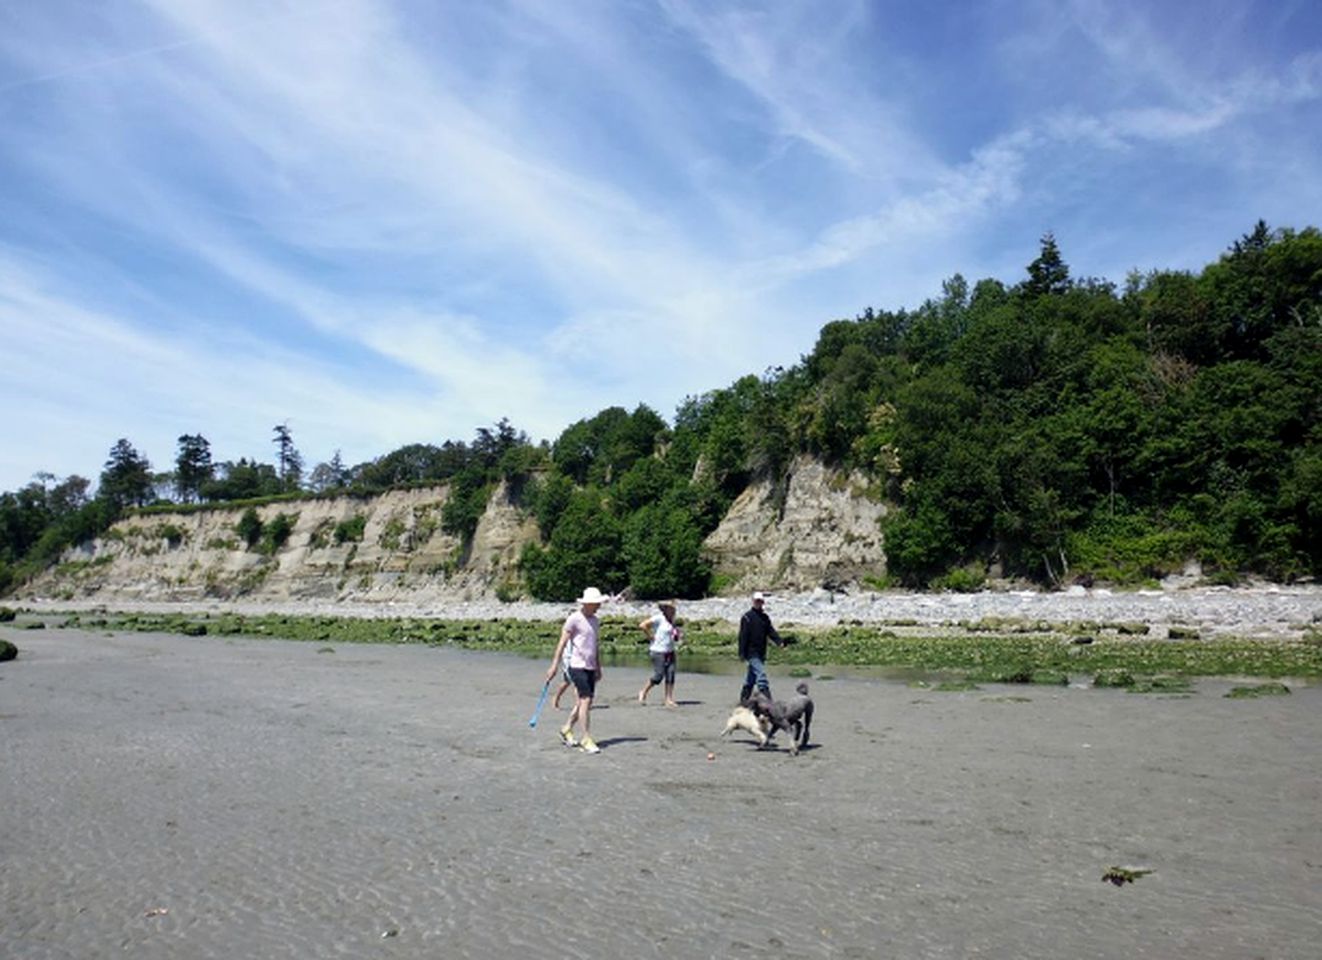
1058, 429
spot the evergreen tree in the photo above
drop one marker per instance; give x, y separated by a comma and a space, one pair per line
1048, 274
329, 476
192, 466
127, 478
289, 460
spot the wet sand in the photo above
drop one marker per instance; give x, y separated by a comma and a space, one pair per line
176, 797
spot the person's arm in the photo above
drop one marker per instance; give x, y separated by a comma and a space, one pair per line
646, 626
771, 632
559, 652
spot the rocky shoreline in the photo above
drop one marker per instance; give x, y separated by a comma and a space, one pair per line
1259, 610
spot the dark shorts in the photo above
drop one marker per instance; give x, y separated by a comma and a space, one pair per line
585, 681
663, 667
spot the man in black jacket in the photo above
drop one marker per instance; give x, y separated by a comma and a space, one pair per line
754, 630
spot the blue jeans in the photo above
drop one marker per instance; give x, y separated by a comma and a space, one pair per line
756, 676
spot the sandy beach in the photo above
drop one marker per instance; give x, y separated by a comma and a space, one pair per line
177, 797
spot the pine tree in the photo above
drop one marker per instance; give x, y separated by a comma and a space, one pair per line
1047, 274
192, 467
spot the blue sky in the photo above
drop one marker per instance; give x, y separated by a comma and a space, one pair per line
386, 222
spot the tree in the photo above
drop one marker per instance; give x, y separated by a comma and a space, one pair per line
489, 446
412, 463
329, 476
662, 546
466, 502
127, 478
1048, 274
192, 466
548, 501
241, 481
290, 461
584, 549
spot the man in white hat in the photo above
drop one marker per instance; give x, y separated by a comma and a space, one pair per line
579, 637
754, 630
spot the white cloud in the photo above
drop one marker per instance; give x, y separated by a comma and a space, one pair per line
390, 223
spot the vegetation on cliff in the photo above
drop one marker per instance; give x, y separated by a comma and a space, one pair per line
1055, 429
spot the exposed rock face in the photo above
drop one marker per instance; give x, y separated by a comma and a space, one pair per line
827, 534
381, 548
390, 548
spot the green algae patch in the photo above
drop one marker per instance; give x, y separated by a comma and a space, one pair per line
1259, 690
1161, 685
1020, 655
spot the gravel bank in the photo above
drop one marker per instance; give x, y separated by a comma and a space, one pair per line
1265, 610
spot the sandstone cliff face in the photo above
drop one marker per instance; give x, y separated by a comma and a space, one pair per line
395, 549
826, 535
391, 548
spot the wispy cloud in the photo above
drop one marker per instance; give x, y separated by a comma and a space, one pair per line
389, 222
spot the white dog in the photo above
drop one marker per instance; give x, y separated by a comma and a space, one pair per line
741, 718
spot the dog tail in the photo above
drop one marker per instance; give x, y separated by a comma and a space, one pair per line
802, 688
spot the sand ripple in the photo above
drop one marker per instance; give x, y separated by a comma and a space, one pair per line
192, 797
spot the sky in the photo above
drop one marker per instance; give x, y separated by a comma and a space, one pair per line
384, 222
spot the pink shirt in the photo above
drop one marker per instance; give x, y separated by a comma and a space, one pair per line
582, 640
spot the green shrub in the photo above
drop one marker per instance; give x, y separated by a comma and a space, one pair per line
966, 579
1222, 578
467, 501
7, 614
276, 533
249, 527
321, 535
7, 651
425, 523
351, 530
392, 534
171, 534
1130, 548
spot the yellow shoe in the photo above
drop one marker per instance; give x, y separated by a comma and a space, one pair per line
567, 737
588, 745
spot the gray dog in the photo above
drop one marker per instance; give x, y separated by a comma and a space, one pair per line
794, 716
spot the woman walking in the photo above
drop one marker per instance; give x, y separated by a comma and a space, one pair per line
664, 639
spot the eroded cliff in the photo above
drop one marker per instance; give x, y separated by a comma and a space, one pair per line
821, 531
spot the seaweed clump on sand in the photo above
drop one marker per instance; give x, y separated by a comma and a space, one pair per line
1259, 690
1122, 875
